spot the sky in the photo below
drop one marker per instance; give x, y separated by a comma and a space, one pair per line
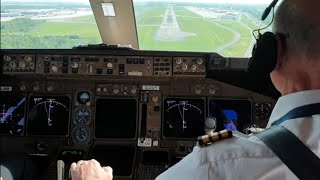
192, 1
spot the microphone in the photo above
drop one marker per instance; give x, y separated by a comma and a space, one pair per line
268, 9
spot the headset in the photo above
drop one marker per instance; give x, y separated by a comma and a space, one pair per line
265, 51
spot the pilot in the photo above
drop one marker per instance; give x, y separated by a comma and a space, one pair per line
296, 77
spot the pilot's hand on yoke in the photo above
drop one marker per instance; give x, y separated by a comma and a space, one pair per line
90, 170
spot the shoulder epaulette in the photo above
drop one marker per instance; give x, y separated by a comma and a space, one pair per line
208, 139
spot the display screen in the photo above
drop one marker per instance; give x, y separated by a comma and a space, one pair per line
120, 158
183, 118
116, 118
12, 117
48, 115
230, 114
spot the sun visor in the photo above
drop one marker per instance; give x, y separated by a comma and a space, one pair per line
116, 22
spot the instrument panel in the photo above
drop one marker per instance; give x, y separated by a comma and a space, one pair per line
123, 107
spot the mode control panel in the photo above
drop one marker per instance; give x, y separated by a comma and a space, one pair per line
95, 65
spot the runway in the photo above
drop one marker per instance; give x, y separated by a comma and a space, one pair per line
169, 29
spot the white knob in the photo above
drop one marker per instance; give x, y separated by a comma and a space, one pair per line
109, 65
178, 61
155, 98
199, 61
98, 89
115, 91
133, 91
54, 68
75, 65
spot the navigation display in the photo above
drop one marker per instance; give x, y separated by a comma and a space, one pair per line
183, 117
48, 115
234, 115
12, 117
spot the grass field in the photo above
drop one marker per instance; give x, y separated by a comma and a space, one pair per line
62, 29
241, 47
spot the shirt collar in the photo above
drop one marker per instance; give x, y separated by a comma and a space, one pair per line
291, 101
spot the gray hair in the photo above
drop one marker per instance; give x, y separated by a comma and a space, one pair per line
303, 31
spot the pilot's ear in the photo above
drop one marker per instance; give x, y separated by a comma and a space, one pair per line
281, 49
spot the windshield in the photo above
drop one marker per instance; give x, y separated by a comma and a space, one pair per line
222, 26
47, 24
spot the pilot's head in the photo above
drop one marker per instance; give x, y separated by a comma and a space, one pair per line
298, 66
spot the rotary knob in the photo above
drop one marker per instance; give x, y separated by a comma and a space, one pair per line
7, 58
178, 61
212, 91
28, 58
194, 67
184, 67
116, 91
74, 65
155, 99
199, 61
12, 65
133, 90
109, 65
22, 64
198, 91
54, 68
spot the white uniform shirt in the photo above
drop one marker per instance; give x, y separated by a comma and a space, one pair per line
246, 157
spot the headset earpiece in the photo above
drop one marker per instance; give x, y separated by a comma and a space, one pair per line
264, 54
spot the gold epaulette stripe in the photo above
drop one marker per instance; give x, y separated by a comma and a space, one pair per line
214, 137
